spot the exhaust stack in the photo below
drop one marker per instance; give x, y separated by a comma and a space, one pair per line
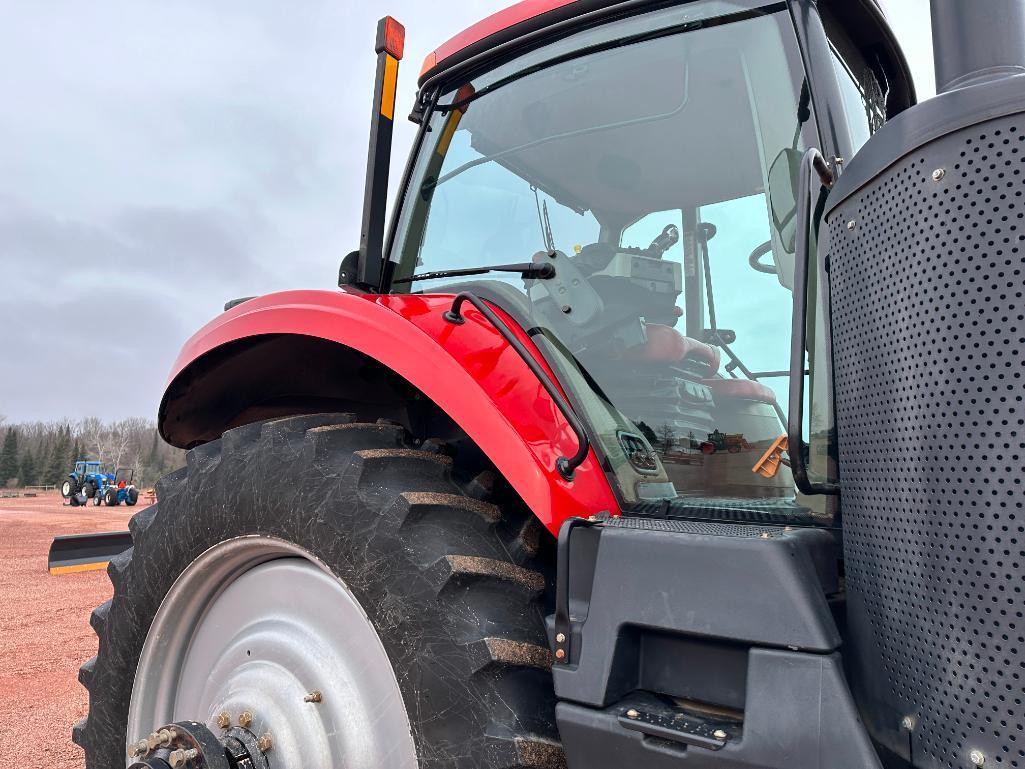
976, 42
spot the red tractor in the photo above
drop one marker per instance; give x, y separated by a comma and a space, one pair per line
717, 441
420, 524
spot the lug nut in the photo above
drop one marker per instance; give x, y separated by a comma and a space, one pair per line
182, 757
313, 696
264, 743
631, 713
245, 718
719, 734
223, 720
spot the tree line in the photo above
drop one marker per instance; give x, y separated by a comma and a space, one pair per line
43, 453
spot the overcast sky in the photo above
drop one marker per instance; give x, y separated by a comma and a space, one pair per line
159, 158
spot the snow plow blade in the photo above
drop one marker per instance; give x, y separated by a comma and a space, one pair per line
86, 552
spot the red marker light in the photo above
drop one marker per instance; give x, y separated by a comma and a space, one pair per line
391, 37
429, 63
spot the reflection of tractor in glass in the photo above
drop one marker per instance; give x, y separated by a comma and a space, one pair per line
83, 483
121, 489
718, 441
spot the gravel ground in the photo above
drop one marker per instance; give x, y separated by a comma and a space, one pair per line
44, 630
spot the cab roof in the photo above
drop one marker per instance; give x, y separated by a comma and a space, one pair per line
864, 19
505, 25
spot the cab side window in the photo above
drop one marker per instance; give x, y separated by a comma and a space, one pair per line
862, 85
646, 229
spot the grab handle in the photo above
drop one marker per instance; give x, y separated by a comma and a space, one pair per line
811, 163
565, 465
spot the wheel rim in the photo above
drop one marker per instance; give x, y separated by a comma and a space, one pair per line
66, 489
255, 625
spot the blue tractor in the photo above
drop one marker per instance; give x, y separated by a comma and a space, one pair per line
85, 482
120, 489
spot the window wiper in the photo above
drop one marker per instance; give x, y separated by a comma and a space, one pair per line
527, 270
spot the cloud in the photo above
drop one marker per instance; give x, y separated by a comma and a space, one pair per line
86, 331
161, 158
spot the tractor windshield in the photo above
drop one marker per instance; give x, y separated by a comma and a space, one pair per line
651, 161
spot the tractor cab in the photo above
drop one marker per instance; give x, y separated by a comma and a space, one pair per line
653, 163
85, 467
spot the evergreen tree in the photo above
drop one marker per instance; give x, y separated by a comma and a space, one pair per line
154, 451
9, 457
57, 465
43, 461
154, 463
76, 452
29, 474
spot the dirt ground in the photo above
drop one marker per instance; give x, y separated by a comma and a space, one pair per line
44, 629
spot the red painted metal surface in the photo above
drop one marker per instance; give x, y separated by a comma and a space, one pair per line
497, 22
468, 370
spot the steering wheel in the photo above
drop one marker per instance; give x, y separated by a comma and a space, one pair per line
755, 259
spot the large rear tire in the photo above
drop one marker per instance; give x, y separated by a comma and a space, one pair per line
451, 585
70, 487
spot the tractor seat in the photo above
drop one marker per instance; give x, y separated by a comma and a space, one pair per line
667, 345
742, 389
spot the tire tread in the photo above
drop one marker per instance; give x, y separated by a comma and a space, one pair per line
450, 540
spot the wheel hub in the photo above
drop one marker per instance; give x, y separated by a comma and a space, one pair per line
258, 634
190, 745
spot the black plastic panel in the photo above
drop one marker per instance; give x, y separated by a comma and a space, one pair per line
928, 297
800, 715
819, 546
719, 589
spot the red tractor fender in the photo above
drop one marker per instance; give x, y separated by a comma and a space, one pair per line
467, 370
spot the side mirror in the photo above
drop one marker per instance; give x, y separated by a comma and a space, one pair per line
784, 180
